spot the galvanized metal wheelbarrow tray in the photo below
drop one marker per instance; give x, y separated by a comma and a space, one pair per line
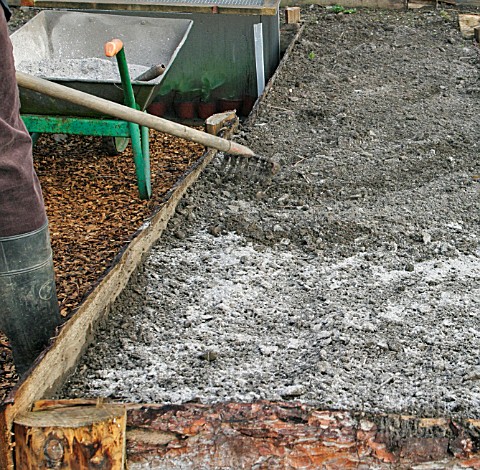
152, 43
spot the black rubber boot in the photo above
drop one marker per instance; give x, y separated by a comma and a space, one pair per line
29, 310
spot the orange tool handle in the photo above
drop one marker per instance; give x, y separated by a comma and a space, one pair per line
113, 47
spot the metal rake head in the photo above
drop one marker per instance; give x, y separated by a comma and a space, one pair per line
256, 165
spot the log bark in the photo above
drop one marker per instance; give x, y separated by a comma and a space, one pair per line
75, 438
292, 435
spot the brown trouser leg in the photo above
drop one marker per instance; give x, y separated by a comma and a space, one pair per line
21, 202
28, 302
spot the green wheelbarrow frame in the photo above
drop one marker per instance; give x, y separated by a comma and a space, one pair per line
117, 129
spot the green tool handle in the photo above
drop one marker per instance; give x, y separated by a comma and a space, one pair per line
115, 48
125, 113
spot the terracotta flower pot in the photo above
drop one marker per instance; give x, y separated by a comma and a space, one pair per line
205, 110
158, 108
225, 104
185, 109
247, 105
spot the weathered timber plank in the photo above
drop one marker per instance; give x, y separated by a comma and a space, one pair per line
386, 4
476, 33
254, 113
269, 7
55, 364
417, 4
468, 3
293, 435
44, 405
74, 437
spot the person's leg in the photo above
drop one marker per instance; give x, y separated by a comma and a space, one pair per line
28, 303
29, 311
21, 202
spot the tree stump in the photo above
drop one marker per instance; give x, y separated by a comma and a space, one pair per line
77, 437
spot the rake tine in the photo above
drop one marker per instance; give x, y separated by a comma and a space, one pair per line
242, 163
222, 161
227, 162
259, 167
256, 166
232, 169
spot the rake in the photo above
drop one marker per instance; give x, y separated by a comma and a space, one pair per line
231, 149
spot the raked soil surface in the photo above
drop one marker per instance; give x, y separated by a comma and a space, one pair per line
351, 279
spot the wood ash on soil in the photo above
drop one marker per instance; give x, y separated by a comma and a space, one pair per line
89, 69
350, 279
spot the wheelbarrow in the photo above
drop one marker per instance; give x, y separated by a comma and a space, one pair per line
59, 41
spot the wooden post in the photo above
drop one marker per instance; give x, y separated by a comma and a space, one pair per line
468, 23
292, 15
215, 123
76, 437
476, 32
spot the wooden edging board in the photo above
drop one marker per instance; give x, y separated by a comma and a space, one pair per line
384, 4
268, 435
254, 113
54, 365
268, 8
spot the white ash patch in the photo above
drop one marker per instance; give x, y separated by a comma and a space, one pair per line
90, 69
226, 320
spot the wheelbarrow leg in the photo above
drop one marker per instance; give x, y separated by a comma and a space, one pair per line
138, 135
141, 160
146, 157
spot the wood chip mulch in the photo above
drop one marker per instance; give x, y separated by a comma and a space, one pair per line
94, 209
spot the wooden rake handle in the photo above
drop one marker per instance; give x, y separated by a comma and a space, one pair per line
125, 113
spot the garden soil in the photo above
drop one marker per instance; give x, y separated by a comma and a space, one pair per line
93, 207
351, 278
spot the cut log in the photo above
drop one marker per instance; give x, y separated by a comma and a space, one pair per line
467, 25
77, 437
292, 15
